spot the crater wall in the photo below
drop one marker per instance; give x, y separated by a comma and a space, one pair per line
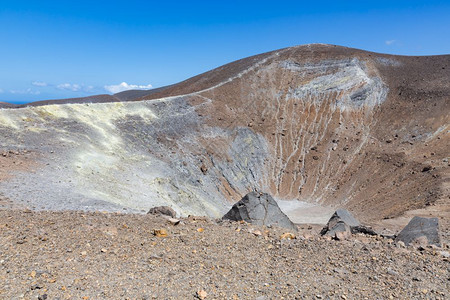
323, 125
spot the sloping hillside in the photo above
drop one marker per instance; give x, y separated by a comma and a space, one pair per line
321, 124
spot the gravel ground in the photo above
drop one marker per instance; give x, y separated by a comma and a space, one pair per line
80, 255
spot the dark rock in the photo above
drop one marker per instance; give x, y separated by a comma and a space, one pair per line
427, 168
344, 216
334, 224
36, 287
419, 229
365, 230
204, 169
259, 209
343, 221
163, 210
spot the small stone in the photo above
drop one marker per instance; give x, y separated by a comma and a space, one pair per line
204, 169
160, 232
427, 168
33, 274
200, 229
83, 253
445, 254
42, 297
257, 232
36, 287
202, 294
103, 250
401, 244
173, 221
287, 235
156, 256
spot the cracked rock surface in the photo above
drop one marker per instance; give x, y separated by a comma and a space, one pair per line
419, 227
259, 209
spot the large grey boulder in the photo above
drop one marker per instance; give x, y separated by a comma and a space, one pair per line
420, 230
259, 209
344, 216
343, 223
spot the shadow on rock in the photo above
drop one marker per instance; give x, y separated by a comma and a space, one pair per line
259, 209
343, 224
422, 231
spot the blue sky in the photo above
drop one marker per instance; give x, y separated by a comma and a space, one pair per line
62, 49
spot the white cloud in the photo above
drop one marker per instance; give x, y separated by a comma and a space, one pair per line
389, 42
125, 86
39, 83
27, 91
69, 87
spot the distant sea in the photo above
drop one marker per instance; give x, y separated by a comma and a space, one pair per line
15, 102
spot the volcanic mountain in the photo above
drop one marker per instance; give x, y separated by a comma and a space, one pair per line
320, 125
